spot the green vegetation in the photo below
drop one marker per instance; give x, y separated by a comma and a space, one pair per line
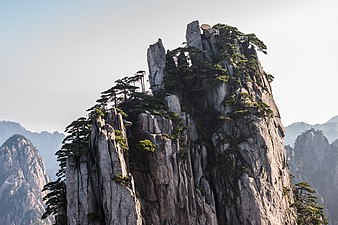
166, 136
308, 210
263, 108
177, 124
187, 72
122, 91
243, 104
223, 78
99, 112
123, 114
233, 36
239, 114
75, 144
147, 145
286, 191
121, 140
122, 179
55, 200
223, 118
270, 77
190, 74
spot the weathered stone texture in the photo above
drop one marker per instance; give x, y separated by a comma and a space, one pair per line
95, 194
233, 174
22, 178
156, 61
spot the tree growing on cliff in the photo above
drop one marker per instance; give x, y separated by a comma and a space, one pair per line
75, 144
139, 77
308, 210
122, 90
55, 201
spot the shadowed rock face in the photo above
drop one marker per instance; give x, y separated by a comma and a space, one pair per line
217, 171
22, 177
314, 160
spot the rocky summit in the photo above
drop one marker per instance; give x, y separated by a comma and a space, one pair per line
206, 147
22, 177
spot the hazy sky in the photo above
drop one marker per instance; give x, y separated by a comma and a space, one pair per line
57, 56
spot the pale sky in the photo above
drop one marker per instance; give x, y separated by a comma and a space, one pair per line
57, 56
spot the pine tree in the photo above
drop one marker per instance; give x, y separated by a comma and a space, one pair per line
308, 210
75, 144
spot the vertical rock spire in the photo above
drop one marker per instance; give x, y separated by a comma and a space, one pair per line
156, 57
193, 35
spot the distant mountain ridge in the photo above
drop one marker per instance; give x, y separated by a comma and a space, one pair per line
333, 120
47, 143
330, 130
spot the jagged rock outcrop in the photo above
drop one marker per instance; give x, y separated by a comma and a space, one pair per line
193, 35
22, 177
156, 63
214, 156
171, 190
314, 160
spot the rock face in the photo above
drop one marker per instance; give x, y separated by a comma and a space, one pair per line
217, 156
193, 35
22, 177
314, 160
100, 189
47, 143
156, 62
179, 189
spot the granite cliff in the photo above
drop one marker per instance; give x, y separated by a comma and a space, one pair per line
205, 148
314, 160
22, 177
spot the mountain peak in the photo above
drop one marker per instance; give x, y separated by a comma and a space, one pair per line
205, 148
47, 143
22, 177
16, 138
